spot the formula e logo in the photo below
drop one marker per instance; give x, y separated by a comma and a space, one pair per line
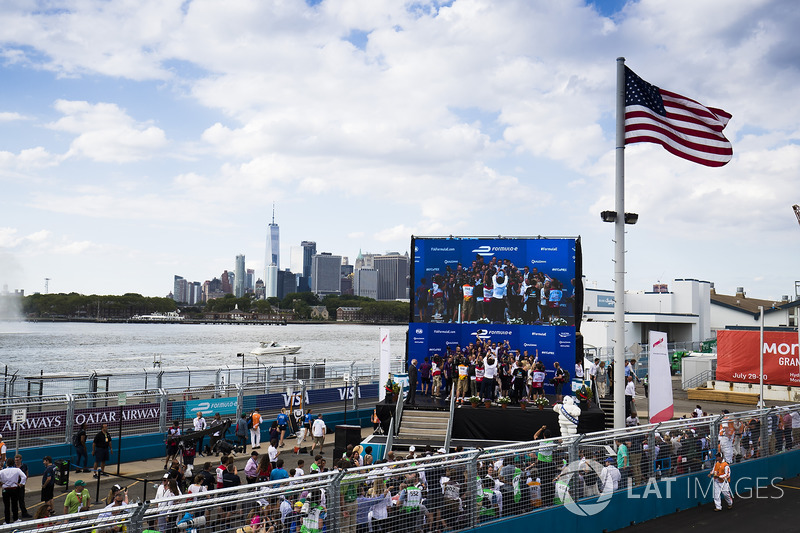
563, 334
419, 331
483, 250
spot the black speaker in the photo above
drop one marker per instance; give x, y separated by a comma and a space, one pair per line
347, 435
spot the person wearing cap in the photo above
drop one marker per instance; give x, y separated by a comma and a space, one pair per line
610, 476
78, 500
721, 474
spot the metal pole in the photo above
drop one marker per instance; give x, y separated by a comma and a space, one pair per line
119, 440
761, 359
619, 254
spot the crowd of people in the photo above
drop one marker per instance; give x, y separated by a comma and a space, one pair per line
489, 370
494, 291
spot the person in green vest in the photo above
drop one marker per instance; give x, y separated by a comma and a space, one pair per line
488, 501
410, 503
314, 520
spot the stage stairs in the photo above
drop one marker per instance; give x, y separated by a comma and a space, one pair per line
607, 405
428, 425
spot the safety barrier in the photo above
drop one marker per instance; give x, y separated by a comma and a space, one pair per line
560, 480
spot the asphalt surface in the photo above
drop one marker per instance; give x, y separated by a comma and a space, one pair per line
771, 509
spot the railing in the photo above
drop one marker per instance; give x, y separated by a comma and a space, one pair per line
189, 378
54, 419
450, 417
699, 379
460, 486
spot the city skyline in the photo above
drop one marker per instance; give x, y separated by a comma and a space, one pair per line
144, 140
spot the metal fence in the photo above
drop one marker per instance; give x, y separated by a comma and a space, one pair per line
456, 491
55, 419
15, 385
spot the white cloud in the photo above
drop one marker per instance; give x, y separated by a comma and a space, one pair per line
10, 116
107, 133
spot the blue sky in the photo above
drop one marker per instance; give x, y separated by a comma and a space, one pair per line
142, 140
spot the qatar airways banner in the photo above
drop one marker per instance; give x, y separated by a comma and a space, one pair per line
518, 289
738, 357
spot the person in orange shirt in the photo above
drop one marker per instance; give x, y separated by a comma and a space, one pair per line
255, 431
721, 474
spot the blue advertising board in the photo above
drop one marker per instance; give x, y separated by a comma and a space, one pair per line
526, 291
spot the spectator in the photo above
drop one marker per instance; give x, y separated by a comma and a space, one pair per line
21, 495
278, 472
101, 450
11, 478
251, 468
79, 442
318, 431
78, 500
48, 480
199, 424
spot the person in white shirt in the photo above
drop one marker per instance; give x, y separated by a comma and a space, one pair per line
11, 479
318, 430
199, 424
272, 452
630, 392
197, 488
609, 477
489, 381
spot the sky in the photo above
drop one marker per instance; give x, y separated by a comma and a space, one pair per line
144, 139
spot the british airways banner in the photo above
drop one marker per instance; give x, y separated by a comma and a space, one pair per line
524, 291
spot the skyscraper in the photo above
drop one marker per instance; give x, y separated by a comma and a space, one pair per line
241, 279
272, 261
301, 264
326, 274
392, 276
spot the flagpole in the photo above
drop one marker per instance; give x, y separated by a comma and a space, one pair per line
619, 255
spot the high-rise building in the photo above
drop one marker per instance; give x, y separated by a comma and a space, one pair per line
393, 274
180, 290
365, 260
326, 274
226, 283
195, 293
365, 282
300, 257
251, 280
241, 278
287, 283
272, 261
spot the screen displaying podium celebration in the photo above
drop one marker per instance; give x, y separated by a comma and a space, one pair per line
524, 291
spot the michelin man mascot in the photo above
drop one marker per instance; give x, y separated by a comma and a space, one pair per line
568, 413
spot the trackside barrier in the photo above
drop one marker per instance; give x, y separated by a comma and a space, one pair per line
557, 481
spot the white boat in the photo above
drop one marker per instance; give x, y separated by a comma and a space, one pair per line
171, 316
274, 348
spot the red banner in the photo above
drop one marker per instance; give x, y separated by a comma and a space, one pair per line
738, 357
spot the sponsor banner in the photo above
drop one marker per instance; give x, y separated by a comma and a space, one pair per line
189, 409
41, 423
661, 405
738, 357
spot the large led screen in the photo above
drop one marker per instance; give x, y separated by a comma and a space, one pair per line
526, 291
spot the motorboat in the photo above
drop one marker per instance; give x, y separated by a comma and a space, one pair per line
275, 348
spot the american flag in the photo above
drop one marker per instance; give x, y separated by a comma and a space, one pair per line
682, 126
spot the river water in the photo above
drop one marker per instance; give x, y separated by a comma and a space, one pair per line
83, 348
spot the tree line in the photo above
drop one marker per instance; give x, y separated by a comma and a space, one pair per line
74, 305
